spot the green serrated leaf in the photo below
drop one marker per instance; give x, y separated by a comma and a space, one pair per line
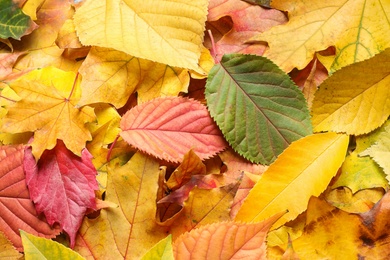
36, 248
13, 22
256, 105
162, 250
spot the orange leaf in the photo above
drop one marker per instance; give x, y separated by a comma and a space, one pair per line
168, 127
225, 240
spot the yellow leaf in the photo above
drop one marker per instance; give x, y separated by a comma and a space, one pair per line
111, 76
358, 29
7, 250
130, 230
162, 31
354, 99
359, 173
47, 106
162, 250
42, 248
303, 170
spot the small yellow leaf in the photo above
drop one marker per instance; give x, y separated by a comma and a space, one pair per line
7, 250
303, 170
47, 106
162, 31
162, 250
354, 99
42, 248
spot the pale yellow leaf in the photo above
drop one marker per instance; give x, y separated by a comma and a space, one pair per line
354, 99
303, 170
169, 32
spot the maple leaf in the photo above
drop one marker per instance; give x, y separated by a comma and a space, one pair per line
62, 186
130, 229
47, 106
17, 210
177, 27
350, 101
168, 127
316, 25
111, 76
294, 168
257, 20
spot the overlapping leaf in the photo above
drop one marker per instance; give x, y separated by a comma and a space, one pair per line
358, 29
177, 27
42, 248
225, 240
13, 22
130, 230
162, 250
303, 170
168, 127
62, 186
17, 210
47, 106
354, 99
258, 108
8, 251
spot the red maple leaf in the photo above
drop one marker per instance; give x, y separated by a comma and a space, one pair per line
62, 186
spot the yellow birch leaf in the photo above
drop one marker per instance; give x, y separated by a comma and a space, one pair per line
129, 231
358, 29
7, 250
36, 248
111, 76
47, 106
380, 151
162, 250
303, 170
162, 31
359, 173
354, 99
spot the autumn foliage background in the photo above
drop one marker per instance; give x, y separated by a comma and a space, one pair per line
221, 129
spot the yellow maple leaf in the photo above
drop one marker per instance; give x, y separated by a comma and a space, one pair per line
354, 99
111, 76
303, 170
358, 30
162, 31
47, 106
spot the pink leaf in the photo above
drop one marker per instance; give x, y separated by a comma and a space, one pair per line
16, 209
62, 186
168, 127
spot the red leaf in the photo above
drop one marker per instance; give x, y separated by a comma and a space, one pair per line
168, 127
16, 209
62, 186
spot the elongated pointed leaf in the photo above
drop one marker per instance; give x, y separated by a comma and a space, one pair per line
169, 127
303, 170
258, 108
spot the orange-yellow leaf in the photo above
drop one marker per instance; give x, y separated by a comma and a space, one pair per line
7, 250
47, 106
168, 127
162, 31
128, 231
225, 240
358, 29
111, 76
354, 100
303, 170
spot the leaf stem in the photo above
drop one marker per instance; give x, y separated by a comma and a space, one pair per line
213, 47
111, 147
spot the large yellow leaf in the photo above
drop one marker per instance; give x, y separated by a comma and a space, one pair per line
47, 106
303, 170
111, 76
354, 99
129, 231
358, 28
169, 32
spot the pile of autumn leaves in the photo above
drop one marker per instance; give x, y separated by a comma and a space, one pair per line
121, 128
